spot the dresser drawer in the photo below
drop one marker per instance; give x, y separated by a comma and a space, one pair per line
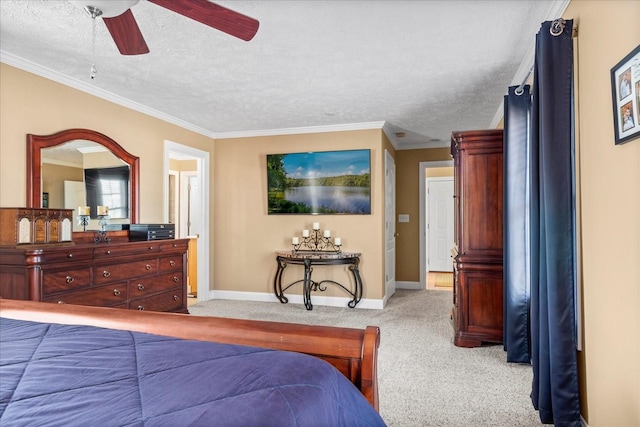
167, 301
116, 272
151, 285
107, 295
107, 251
70, 254
167, 264
170, 245
58, 281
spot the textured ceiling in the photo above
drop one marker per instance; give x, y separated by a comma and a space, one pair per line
424, 68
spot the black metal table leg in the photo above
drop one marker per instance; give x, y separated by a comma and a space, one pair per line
307, 284
357, 293
277, 282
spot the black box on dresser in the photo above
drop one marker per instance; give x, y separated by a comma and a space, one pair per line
138, 232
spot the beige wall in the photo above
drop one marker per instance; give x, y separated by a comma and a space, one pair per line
53, 178
32, 104
438, 172
183, 165
247, 237
408, 177
610, 362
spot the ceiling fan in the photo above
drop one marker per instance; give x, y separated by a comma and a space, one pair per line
125, 32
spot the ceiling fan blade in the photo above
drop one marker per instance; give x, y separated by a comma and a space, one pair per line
126, 33
213, 15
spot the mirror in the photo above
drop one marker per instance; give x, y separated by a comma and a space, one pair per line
45, 146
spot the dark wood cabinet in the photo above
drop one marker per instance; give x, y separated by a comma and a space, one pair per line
478, 251
35, 226
136, 275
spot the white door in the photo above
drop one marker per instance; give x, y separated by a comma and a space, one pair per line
390, 224
440, 223
190, 220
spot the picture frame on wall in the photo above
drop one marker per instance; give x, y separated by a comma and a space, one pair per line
325, 182
625, 92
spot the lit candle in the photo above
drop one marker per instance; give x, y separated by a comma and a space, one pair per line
103, 210
338, 241
327, 233
294, 240
316, 226
83, 210
305, 233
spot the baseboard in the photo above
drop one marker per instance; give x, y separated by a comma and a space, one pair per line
319, 300
583, 422
408, 285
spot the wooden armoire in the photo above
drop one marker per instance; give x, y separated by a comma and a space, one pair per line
478, 249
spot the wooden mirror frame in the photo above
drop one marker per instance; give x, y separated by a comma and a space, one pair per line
35, 143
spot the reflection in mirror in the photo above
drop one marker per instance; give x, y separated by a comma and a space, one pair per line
84, 173
57, 167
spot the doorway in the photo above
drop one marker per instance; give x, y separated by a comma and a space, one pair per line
194, 200
432, 170
439, 219
390, 225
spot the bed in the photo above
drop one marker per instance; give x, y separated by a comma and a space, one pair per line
79, 365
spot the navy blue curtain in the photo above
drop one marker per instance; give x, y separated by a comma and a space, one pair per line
555, 392
517, 276
539, 228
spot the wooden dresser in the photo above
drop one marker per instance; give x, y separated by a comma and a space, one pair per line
137, 275
477, 255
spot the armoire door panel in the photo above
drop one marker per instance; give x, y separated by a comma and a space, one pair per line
478, 188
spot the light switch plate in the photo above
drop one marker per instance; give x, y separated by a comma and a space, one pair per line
403, 218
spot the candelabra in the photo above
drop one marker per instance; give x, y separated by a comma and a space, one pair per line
315, 240
101, 234
83, 220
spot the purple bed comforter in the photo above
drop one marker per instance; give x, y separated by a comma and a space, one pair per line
65, 375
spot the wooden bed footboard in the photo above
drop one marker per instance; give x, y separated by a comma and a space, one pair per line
354, 352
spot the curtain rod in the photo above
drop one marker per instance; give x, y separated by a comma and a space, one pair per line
557, 28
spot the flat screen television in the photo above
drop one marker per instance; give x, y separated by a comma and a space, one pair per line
324, 182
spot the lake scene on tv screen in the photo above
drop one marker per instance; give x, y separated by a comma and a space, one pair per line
327, 182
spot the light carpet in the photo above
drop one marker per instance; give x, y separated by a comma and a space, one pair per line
424, 380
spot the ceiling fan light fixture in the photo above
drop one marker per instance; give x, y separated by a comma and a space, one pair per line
109, 8
93, 12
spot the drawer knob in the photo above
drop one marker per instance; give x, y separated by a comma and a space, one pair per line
60, 302
108, 252
140, 307
175, 278
148, 267
69, 279
150, 248
172, 263
106, 273
140, 286
69, 255
176, 298
116, 292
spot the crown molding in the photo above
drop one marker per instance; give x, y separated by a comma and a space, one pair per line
55, 76
386, 128
82, 86
300, 130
